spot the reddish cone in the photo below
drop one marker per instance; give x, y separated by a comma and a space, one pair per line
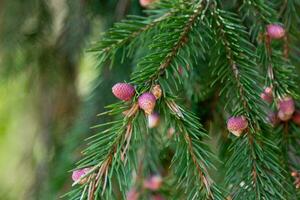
275, 31
153, 183
77, 174
170, 132
147, 102
123, 91
236, 125
146, 3
153, 120
132, 194
157, 197
283, 117
268, 91
286, 106
296, 117
267, 95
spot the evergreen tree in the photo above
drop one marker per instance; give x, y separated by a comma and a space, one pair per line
210, 109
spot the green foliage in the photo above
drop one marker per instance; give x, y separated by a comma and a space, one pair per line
239, 60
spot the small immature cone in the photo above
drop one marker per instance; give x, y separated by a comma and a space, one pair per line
77, 174
156, 91
287, 105
170, 132
157, 197
153, 183
267, 95
237, 125
123, 91
275, 31
286, 108
294, 174
153, 120
146, 3
296, 117
283, 117
268, 91
132, 194
147, 102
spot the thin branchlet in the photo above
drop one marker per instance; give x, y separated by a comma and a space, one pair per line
182, 40
136, 33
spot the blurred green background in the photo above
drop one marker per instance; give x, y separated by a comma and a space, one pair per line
51, 89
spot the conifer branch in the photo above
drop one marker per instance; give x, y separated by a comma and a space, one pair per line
280, 75
127, 32
212, 192
181, 32
120, 42
241, 58
198, 155
108, 159
183, 37
271, 59
147, 71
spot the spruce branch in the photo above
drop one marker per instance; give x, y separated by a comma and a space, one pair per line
154, 65
187, 20
259, 13
149, 73
281, 78
285, 138
271, 60
192, 157
240, 59
178, 35
107, 154
127, 32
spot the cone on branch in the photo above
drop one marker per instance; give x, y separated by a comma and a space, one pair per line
237, 125
123, 91
147, 102
275, 31
286, 108
153, 120
78, 174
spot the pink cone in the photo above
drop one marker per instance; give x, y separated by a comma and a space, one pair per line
283, 117
123, 91
157, 197
286, 106
296, 117
147, 102
132, 194
236, 125
146, 3
268, 91
153, 183
267, 95
275, 31
77, 174
153, 120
